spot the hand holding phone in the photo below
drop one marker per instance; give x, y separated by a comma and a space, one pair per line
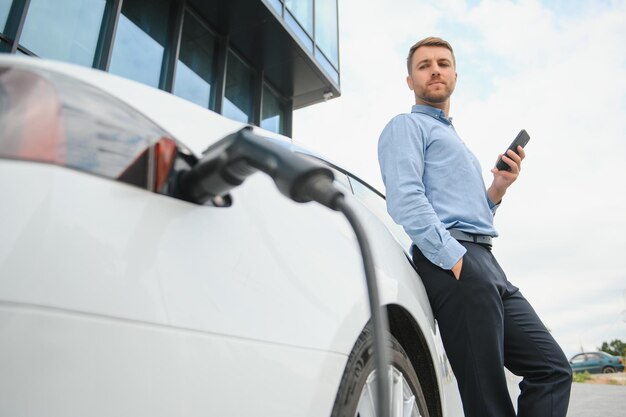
521, 140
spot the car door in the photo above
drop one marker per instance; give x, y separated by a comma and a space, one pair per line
594, 363
578, 363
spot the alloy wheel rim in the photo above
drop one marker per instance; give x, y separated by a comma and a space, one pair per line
403, 402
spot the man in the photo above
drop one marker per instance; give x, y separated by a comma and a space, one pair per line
436, 192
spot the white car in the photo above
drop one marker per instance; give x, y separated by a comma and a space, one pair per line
120, 298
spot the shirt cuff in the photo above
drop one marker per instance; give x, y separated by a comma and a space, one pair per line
493, 206
449, 254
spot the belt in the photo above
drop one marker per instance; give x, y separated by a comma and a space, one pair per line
469, 237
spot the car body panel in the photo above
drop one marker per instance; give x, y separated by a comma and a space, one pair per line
62, 363
128, 253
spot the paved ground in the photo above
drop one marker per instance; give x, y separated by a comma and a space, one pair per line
597, 400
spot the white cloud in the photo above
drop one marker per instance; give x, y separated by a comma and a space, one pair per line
560, 73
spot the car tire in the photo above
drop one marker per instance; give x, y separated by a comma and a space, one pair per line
358, 384
608, 370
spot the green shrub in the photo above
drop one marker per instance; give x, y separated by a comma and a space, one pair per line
581, 376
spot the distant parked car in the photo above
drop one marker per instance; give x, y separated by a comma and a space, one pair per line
597, 362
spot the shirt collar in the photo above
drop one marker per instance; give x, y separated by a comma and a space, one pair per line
432, 112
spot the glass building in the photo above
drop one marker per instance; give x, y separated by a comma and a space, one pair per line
251, 60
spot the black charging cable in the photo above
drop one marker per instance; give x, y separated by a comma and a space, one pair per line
379, 314
228, 162
321, 189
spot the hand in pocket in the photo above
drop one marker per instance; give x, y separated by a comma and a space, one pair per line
456, 269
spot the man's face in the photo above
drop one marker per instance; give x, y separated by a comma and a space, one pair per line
432, 76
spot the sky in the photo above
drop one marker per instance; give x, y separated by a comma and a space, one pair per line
555, 68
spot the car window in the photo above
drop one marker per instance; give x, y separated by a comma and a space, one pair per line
593, 357
578, 359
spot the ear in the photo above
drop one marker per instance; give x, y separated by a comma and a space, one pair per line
409, 82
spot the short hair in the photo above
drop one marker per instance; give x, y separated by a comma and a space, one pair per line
429, 41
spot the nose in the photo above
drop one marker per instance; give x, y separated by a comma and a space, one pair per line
435, 70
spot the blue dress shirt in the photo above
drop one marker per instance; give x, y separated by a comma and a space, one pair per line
433, 183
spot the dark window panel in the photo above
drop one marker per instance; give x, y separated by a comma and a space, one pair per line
327, 65
299, 31
195, 69
273, 114
326, 29
5, 8
238, 95
140, 41
66, 30
302, 10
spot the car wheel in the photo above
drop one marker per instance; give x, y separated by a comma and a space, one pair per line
608, 370
356, 394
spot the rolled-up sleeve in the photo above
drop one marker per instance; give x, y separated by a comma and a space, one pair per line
401, 153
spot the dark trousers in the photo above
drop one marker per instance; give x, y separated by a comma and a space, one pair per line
486, 324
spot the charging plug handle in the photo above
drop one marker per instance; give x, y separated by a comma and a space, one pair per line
226, 164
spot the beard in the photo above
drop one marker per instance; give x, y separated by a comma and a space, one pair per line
438, 96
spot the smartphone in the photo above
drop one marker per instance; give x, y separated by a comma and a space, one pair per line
521, 140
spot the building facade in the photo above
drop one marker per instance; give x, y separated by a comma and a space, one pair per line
251, 60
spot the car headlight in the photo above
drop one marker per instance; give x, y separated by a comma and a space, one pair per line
52, 118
